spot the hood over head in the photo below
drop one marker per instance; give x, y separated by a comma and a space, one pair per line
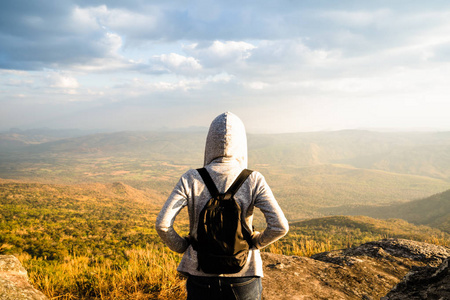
226, 140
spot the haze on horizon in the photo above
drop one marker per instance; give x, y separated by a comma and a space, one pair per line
281, 66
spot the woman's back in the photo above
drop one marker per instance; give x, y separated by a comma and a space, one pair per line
225, 158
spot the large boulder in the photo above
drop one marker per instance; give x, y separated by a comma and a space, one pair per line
14, 284
366, 272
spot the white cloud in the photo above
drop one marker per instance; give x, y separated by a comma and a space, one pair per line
132, 24
87, 19
63, 81
175, 63
293, 51
113, 43
219, 53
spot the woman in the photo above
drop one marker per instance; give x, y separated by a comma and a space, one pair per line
225, 158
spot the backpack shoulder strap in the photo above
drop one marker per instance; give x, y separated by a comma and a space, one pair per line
208, 182
233, 188
237, 183
230, 193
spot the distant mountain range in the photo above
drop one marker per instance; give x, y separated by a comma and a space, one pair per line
417, 153
15, 138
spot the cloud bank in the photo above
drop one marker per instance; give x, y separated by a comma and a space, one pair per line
284, 66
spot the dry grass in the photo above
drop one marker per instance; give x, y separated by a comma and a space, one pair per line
299, 247
148, 273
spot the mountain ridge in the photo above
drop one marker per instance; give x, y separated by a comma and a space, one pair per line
416, 153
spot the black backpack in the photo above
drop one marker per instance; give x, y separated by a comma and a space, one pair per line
222, 243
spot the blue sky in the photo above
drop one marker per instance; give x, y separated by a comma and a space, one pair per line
282, 66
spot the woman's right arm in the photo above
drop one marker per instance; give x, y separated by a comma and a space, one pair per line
166, 217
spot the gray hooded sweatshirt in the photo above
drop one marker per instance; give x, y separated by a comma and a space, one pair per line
225, 158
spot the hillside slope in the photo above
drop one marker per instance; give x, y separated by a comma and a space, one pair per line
53, 221
432, 211
338, 232
306, 192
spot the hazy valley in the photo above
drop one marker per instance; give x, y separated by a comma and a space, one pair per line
310, 170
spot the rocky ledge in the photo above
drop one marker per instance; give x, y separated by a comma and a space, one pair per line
423, 283
368, 271
14, 284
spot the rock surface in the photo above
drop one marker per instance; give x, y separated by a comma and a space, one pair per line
423, 283
369, 271
14, 284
